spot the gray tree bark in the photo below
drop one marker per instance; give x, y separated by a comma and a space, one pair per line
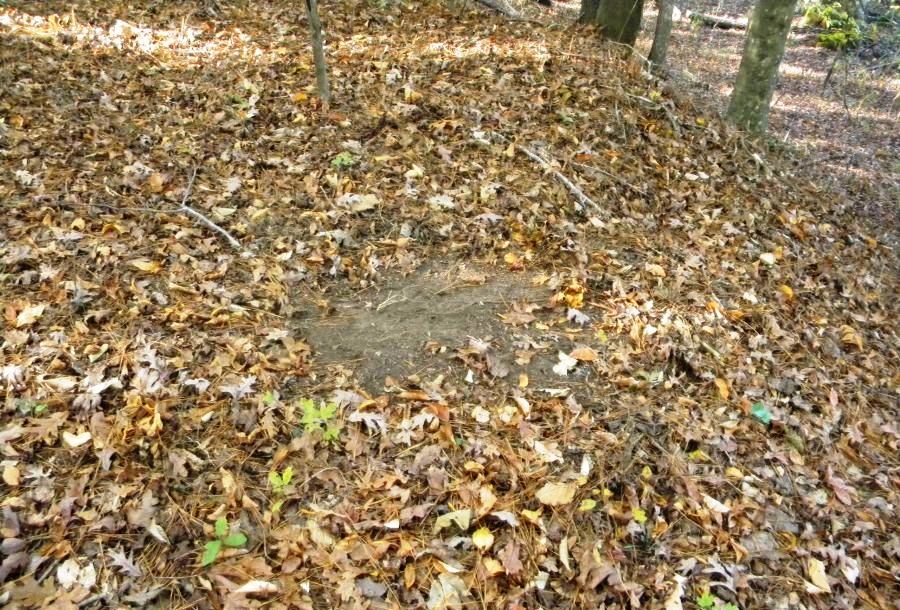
662, 33
620, 20
315, 25
763, 50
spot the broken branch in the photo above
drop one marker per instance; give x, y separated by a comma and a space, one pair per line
203, 219
573, 188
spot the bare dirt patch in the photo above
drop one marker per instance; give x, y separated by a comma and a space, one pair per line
424, 325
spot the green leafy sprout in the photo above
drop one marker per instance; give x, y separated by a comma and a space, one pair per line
343, 160
708, 601
320, 418
225, 538
278, 482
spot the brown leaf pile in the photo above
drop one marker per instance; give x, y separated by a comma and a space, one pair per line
724, 341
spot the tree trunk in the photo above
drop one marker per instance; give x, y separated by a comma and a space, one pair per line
315, 25
663, 31
620, 20
589, 11
763, 50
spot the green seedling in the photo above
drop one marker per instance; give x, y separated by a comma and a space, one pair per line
278, 483
27, 408
708, 601
343, 160
320, 418
225, 538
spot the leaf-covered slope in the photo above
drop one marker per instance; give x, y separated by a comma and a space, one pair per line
727, 420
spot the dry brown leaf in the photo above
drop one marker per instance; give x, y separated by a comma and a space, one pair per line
584, 354
29, 315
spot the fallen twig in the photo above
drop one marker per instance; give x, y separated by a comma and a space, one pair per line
573, 188
203, 219
618, 179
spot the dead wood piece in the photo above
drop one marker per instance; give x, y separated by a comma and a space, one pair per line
714, 21
501, 8
573, 188
203, 219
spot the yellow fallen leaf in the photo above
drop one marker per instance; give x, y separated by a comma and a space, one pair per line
461, 518
534, 516
734, 473
573, 294
145, 265
492, 566
722, 386
556, 494
155, 182
655, 270
816, 571
849, 336
483, 538
787, 291
12, 476
588, 504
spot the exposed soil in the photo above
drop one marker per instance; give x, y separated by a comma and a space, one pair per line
414, 324
657, 371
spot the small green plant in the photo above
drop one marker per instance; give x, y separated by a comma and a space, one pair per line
27, 407
708, 601
320, 418
225, 538
343, 160
278, 483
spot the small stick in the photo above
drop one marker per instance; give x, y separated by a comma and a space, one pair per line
618, 179
203, 219
579, 194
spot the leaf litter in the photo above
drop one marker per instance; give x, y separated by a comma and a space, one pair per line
726, 428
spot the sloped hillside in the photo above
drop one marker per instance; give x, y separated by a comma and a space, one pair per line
507, 325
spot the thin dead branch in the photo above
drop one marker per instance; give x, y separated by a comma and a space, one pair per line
623, 182
571, 186
203, 219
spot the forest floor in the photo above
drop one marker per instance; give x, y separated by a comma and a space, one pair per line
835, 112
660, 370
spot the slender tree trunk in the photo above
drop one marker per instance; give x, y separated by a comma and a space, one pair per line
315, 25
620, 20
763, 50
589, 11
663, 31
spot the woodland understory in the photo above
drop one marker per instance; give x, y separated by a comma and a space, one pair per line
511, 323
